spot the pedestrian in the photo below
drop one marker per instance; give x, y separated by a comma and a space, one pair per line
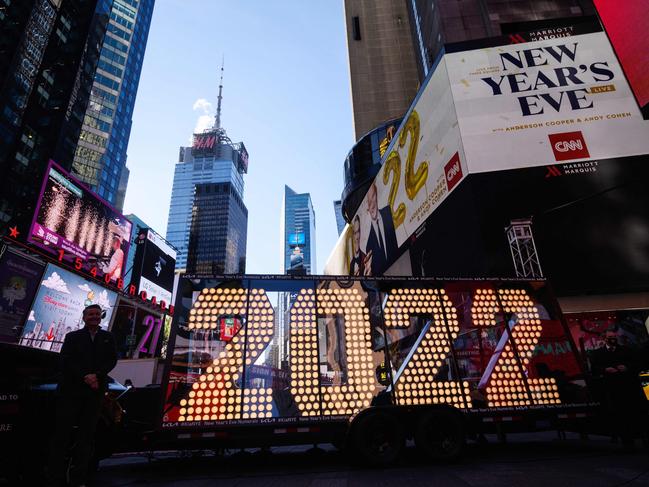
622, 396
87, 356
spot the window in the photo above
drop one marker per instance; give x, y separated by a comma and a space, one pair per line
356, 28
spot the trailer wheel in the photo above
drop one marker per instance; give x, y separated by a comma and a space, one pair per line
440, 435
377, 438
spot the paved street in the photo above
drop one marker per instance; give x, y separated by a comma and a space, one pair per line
530, 460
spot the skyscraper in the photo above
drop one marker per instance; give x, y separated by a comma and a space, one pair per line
219, 226
48, 56
340, 220
100, 157
298, 232
213, 159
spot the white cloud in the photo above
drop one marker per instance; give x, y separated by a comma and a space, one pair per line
203, 105
102, 300
206, 119
85, 287
204, 122
57, 283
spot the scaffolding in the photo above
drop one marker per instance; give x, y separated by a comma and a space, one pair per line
523, 249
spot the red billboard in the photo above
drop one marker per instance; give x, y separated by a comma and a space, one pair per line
626, 26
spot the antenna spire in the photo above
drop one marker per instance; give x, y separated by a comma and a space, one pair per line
217, 122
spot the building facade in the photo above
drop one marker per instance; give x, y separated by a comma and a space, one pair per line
218, 231
49, 56
100, 157
298, 233
434, 23
382, 64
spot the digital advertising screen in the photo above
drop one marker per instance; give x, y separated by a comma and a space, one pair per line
154, 265
78, 227
549, 104
58, 307
626, 26
19, 278
296, 238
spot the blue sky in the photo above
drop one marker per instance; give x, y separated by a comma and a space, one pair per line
286, 96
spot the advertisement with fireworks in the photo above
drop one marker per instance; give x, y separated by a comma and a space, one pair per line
58, 306
74, 224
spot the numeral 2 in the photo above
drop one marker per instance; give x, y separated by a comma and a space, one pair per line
393, 165
503, 378
415, 382
215, 395
415, 180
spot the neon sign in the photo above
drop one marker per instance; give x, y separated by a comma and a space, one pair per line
204, 141
221, 393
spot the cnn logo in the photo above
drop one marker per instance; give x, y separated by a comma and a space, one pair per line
568, 145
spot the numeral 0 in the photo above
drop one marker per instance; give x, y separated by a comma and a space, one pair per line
356, 394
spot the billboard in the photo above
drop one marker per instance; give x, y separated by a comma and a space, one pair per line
58, 307
154, 266
625, 23
423, 164
536, 103
136, 329
75, 225
205, 143
493, 105
19, 278
296, 239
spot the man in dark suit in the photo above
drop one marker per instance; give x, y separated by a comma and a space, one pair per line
621, 393
357, 263
382, 240
87, 356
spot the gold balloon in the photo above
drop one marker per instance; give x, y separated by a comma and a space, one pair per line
393, 165
415, 180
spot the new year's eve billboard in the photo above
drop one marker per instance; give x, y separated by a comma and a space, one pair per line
78, 227
58, 307
493, 105
535, 103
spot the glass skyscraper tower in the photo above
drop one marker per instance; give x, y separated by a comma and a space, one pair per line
298, 232
100, 158
198, 198
49, 52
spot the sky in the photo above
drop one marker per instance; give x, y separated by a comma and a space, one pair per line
286, 95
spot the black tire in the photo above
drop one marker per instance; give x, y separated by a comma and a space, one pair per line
440, 435
377, 439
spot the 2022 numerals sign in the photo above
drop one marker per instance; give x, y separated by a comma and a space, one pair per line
217, 393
